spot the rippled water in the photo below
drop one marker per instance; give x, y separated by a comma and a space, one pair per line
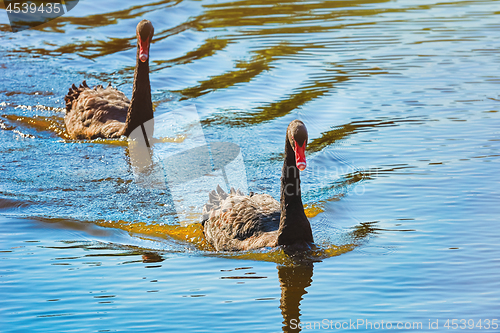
401, 102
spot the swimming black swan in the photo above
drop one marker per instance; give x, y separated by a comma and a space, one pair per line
233, 222
107, 112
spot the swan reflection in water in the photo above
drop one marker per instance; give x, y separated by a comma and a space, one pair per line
293, 282
297, 274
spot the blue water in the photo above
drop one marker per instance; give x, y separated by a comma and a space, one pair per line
401, 102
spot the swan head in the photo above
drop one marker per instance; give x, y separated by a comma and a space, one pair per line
145, 32
297, 137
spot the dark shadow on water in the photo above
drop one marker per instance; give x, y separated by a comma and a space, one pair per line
293, 282
148, 257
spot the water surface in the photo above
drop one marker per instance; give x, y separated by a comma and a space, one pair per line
401, 102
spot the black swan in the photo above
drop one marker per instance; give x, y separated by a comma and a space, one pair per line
107, 112
233, 222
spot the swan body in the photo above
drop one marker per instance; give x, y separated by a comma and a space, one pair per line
106, 112
237, 222
233, 221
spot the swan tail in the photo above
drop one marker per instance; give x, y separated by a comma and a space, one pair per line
73, 94
215, 199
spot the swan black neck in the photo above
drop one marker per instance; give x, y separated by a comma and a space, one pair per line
294, 225
141, 106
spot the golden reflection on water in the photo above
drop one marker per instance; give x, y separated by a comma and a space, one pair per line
245, 70
52, 124
277, 16
312, 210
295, 270
265, 18
192, 233
55, 125
343, 131
281, 256
207, 49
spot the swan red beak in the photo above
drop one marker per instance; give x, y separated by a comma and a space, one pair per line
143, 50
300, 156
